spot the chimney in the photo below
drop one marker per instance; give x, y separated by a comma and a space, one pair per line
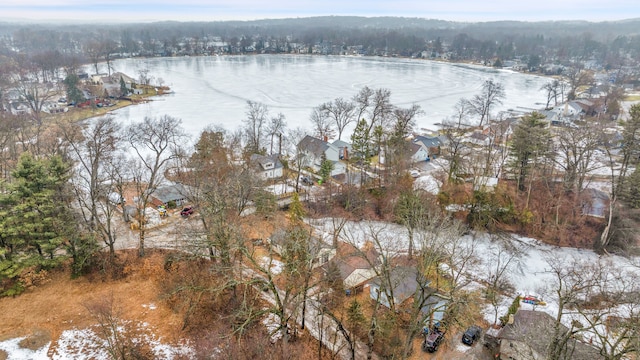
345, 154
326, 138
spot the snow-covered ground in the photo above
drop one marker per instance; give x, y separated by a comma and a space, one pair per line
274, 265
529, 272
15, 351
85, 344
280, 189
427, 183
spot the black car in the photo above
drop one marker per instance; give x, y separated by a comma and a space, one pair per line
471, 335
432, 340
307, 180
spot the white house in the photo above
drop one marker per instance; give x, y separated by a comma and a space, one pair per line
419, 152
267, 166
314, 151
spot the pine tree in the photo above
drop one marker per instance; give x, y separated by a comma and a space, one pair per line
296, 211
35, 221
530, 141
361, 141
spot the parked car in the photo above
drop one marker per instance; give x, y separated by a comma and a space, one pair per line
307, 180
433, 340
186, 211
471, 335
414, 173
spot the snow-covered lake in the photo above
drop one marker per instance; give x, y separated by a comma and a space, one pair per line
215, 90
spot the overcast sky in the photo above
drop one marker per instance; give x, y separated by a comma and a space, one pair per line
212, 10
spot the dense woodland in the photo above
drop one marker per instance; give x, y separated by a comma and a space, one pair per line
58, 173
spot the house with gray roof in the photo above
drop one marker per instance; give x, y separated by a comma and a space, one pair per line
314, 151
344, 149
165, 194
431, 143
267, 166
400, 286
530, 335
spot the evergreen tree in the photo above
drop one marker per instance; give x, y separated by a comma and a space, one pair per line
361, 141
326, 167
123, 87
530, 141
74, 94
296, 211
35, 221
355, 316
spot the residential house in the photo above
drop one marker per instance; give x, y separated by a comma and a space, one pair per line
558, 116
418, 151
315, 151
54, 107
19, 108
530, 335
344, 149
163, 195
402, 285
586, 107
97, 79
500, 132
435, 307
320, 251
431, 143
355, 267
478, 138
267, 166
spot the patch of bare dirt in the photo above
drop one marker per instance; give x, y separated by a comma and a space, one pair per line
44, 312
36, 340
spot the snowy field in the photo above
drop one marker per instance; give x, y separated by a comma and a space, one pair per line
85, 344
529, 272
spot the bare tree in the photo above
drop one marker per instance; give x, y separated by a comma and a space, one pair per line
552, 90
254, 125
120, 339
36, 96
576, 77
94, 147
342, 113
492, 94
405, 120
156, 142
573, 280
576, 148
276, 127
322, 124
500, 263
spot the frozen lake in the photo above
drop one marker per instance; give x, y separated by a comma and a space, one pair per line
214, 90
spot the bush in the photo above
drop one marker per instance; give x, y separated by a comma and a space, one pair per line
515, 305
